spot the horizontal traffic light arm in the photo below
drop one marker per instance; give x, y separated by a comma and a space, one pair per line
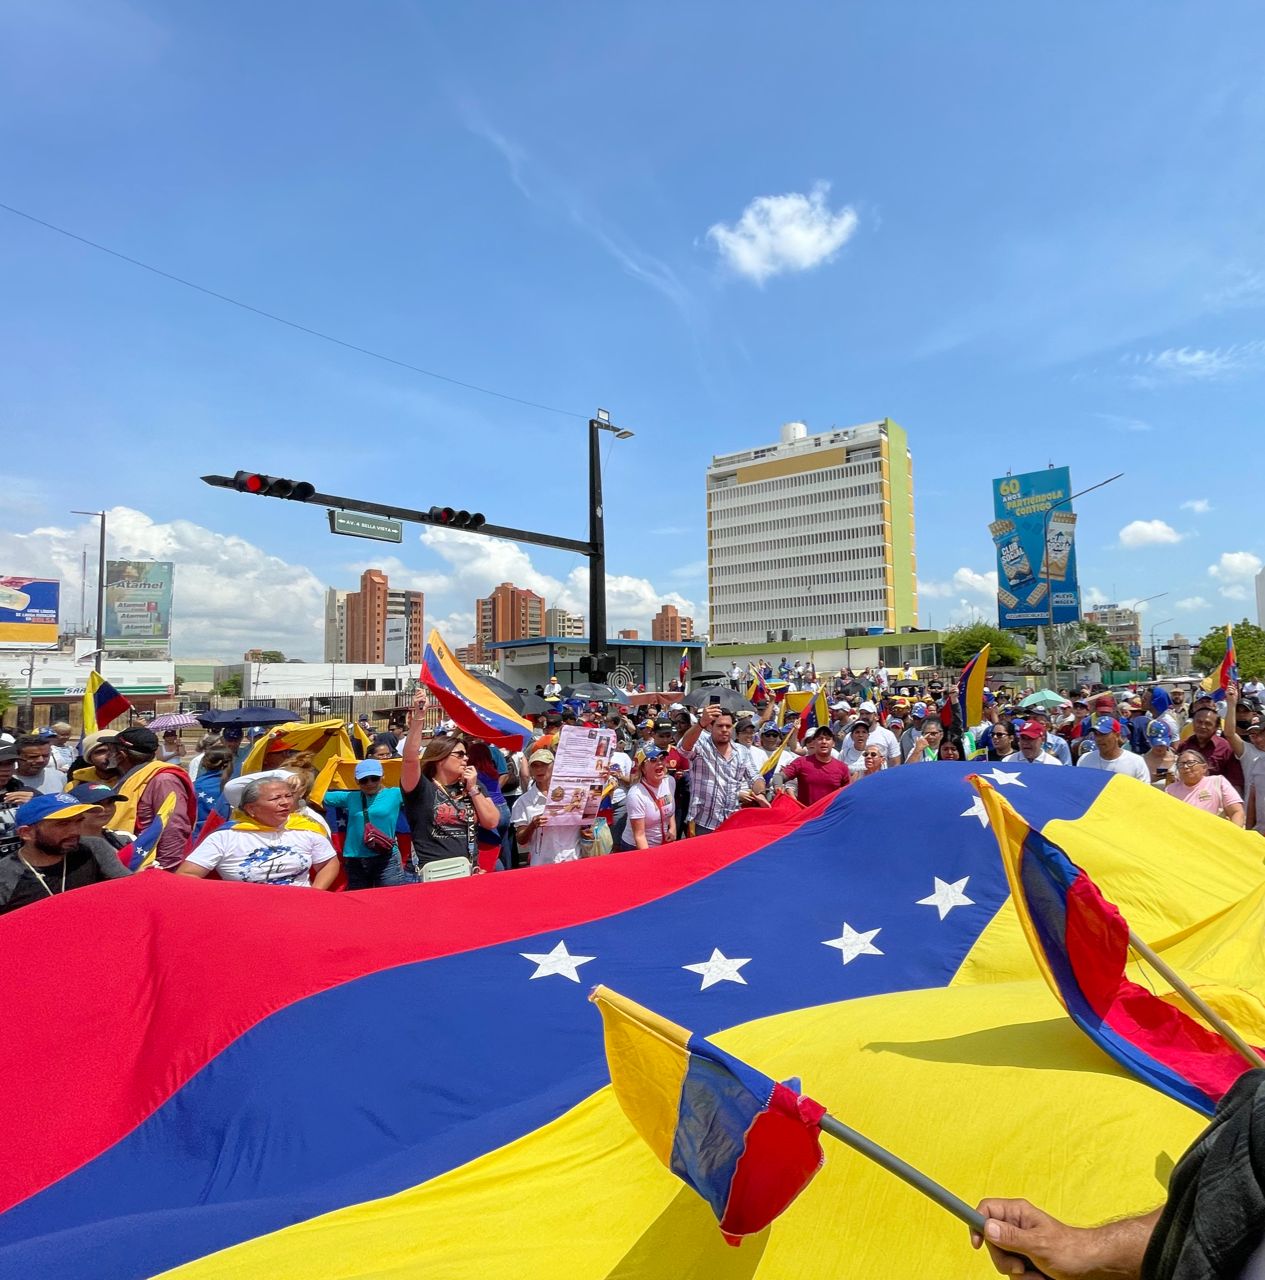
415, 516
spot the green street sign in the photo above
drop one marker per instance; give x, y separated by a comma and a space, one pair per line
355, 525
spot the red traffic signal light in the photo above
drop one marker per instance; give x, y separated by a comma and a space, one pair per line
273, 486
456, 519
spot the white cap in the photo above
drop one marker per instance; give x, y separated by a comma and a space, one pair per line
867, 706
236, 787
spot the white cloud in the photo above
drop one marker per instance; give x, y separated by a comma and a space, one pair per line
1200, 506
1191, 603
479, 564
229, 595
1094, 598
1193, 364
964, 580
1235, 571
1148, 533
1235, 566
776, 234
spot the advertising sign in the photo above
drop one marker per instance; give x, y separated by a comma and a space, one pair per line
138, 604
395, 648
1036, 556
28, 612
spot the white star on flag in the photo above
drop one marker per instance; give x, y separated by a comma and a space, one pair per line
976, 810
718, 969
557, 961
1005, 779
854, 944
946, 896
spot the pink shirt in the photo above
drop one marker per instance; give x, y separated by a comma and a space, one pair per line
1212, 794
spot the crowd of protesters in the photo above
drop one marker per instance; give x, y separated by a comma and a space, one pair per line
66, 812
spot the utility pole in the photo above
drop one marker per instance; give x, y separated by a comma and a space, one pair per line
100, 641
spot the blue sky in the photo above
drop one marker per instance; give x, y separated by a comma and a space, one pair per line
1029, 234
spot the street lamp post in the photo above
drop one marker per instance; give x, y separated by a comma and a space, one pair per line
1156, 627
100, 641
599, 659
1045, 557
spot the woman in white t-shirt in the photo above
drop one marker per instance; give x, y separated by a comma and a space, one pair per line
651, 810
262, 849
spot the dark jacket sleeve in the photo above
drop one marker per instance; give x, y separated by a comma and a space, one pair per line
106, 857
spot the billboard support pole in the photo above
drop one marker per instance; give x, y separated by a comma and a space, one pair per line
96, 657
1049, 588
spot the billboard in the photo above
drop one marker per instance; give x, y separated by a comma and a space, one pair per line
395, 650
28, 612
138, 604
1036, 565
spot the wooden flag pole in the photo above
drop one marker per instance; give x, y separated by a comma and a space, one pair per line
906, 1172
1196, 1002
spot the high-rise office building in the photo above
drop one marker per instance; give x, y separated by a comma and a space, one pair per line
509, 613
335, 625
671, 625
558, 622
379, 624
812, 537
1123, 626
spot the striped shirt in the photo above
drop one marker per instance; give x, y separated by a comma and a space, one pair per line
716, 781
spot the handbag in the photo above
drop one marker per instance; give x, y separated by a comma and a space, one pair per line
375, 840
602, 843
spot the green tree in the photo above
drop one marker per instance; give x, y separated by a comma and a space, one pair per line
6, 696
271, 655
230, 686
961, 644
1117, 657
1249, 647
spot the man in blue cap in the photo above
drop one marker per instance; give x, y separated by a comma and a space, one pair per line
55, 855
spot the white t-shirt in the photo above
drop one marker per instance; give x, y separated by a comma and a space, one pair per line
263, 857
885, 738
655, 810
1253, 762
548, 843
758, 755
1126, 762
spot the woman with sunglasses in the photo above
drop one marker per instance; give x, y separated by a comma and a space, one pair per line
651, 811
444, 801
872, 761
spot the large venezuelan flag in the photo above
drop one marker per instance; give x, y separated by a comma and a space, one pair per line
102, 703
470, 703
410, 1082
971, 689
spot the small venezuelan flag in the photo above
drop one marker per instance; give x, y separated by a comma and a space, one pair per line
745, 1143
102, 703
815, 714
144, 849
683, 671
1080, 942
971, 689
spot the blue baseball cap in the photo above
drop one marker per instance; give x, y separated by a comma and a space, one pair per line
95, 793
368, 769
651, 753
1106, 724
49, 809
1158, 734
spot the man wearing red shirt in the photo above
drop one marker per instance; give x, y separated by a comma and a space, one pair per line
818, 773
1220, 756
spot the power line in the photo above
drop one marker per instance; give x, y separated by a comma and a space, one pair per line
290, 324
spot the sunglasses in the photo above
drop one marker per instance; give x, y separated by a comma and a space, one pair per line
461, 755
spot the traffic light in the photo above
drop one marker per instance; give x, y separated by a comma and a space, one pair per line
455, 519
272, 486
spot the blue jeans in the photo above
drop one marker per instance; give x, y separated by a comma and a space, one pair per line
378, 871
503, 832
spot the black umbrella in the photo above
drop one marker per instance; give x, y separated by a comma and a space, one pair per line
591, 692
507, 694
244, 717
726, 697
535, 705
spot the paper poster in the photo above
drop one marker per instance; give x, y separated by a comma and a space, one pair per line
580, 767
28, 612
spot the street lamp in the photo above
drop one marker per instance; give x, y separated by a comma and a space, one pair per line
1156, 627
1049, 589
96, 657
598, 659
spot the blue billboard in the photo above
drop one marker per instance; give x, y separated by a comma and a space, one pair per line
1034, 531
28, 612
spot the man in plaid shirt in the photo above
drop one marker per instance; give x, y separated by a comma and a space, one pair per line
722, 774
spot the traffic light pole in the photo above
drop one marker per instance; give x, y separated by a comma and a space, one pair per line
598, 662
